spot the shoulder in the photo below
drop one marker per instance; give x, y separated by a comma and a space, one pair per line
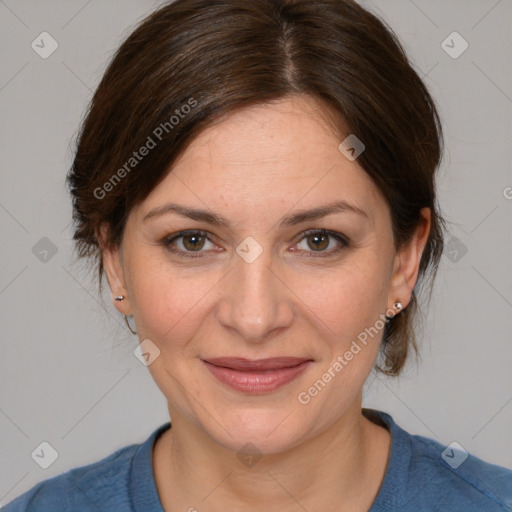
424, 474
102, 485
457, 479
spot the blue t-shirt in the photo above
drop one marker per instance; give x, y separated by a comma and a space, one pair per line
421, 475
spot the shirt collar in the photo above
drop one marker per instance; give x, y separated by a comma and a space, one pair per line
144, 495
142, 485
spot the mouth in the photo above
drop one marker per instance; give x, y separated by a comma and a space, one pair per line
256, 376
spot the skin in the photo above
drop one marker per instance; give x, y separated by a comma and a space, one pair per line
297, 298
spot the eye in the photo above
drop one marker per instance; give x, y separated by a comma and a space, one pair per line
186, 243
190, 244
317, 241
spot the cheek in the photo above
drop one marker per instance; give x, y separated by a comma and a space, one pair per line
352, 303
168, 302
348, 298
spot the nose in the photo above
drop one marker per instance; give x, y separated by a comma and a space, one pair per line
255, 302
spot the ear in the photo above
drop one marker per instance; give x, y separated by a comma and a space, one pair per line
407, 263
113, 266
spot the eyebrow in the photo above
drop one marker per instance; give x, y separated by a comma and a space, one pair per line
292, 219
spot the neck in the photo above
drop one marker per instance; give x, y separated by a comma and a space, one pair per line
343, 465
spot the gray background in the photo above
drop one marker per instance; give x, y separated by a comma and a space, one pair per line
68, 375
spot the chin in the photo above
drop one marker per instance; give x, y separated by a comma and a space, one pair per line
271, 431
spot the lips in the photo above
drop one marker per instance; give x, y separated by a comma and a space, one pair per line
248, 365
256, 376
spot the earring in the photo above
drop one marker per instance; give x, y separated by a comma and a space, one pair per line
398, 306
126, 321
119, 298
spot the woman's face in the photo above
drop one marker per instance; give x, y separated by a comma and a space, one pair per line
255, 278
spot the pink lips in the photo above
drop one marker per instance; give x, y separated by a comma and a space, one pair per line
256, 376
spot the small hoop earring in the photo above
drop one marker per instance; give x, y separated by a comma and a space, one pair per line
126, 321
119, 297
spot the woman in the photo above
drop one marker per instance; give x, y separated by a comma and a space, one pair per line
257, 181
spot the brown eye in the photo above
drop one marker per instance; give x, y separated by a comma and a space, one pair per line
188, 244
193, 242
318, 241
322, 242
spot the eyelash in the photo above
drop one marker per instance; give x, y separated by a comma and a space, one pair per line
343, 241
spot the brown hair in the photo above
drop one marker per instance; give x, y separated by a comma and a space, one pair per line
192, 62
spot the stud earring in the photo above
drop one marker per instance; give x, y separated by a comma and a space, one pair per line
396, 306
119, 297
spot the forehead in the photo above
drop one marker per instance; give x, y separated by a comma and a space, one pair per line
283, 153
270, 135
